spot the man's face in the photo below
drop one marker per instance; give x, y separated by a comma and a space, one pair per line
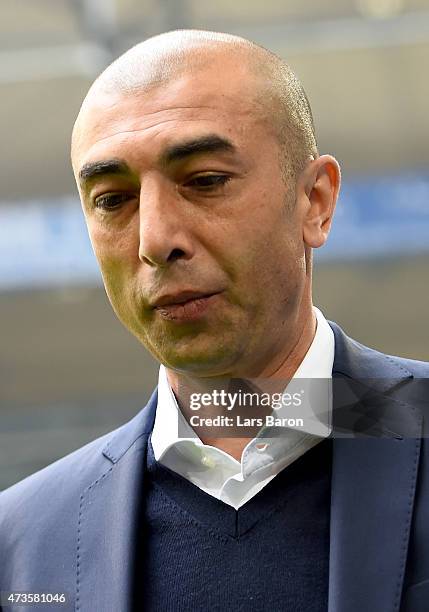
182, 191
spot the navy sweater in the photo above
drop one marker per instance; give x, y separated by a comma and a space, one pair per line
198, 553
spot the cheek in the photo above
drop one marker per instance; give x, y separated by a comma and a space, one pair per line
114, 249
278, 268
116, 258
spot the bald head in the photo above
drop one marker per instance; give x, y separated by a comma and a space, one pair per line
276, 93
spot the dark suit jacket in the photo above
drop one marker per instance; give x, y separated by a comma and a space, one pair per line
71, 527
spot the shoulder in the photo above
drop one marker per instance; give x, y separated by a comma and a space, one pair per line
66, 476
59, 486
38, 514
415, 367
419, 369
356, 359
79, 468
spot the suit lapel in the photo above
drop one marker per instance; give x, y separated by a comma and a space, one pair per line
108, 520
373, 481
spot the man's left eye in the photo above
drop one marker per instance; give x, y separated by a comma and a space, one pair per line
111, 201
208, 181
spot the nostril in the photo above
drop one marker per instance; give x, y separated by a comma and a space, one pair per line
175, 254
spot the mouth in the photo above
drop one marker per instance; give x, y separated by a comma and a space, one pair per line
185, 306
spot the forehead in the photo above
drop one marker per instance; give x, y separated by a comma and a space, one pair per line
209, 101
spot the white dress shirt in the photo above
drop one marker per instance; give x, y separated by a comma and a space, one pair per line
215, 471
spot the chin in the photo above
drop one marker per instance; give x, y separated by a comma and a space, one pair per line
201, 362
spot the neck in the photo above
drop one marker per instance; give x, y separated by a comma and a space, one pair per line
278, 369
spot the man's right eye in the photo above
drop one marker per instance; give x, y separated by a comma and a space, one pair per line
111, 201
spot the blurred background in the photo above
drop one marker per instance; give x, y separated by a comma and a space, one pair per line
68, 370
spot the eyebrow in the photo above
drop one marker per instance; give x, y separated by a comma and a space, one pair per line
91, 170
211, 143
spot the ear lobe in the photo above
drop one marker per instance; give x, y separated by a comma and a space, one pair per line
322, 183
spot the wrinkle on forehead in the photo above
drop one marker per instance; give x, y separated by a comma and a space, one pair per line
138, 130
114, 114
162, 125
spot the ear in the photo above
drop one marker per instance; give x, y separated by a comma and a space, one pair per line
317, 193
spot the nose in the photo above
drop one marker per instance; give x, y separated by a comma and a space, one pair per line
164, 232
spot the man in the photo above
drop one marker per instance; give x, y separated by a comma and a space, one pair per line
204, 195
